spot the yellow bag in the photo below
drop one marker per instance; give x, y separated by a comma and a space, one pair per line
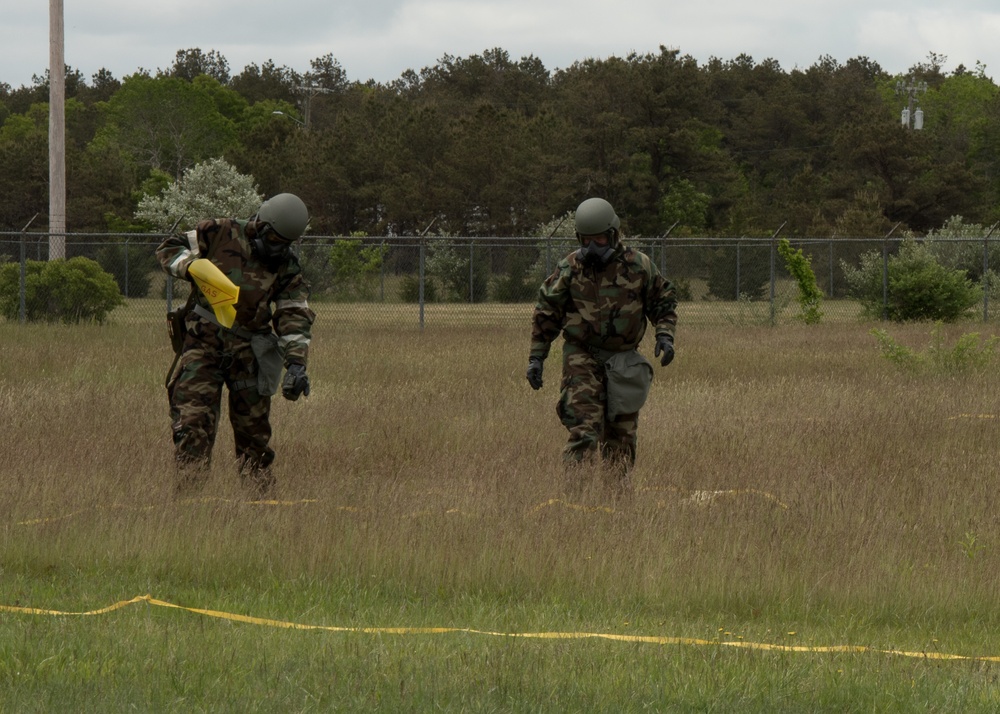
220, 291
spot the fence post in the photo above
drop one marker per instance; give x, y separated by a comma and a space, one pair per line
830, 294
774, 274
737, 295
885, 273
126, 267
423, 257
986, 277
548, 246
420, 283
22, 287
663, 249
381, 271
885, 279
472, 294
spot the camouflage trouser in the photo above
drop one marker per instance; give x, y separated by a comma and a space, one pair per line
582, 410
208, 361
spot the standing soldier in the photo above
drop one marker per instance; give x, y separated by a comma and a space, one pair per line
253, 258
600, 297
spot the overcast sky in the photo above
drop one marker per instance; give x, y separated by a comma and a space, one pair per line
380, 39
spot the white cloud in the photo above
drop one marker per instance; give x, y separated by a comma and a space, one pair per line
961, 36
381, 38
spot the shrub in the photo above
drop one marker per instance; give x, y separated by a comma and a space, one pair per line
449, 263
512, 287
968, 353
409, 289
515, 284
130, 266
354, 269
550, 252
315, 263
919, 287
739, 272
210, 189
800, 268
959, 245
74, 290
683, 288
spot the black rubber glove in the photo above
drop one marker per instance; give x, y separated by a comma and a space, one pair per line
535, 372
295, 383
664, 345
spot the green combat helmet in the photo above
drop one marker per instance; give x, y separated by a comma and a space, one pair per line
281, 220
595, 216
286, 214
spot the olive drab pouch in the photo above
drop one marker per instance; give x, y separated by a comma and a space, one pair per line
630, 375
269, 362
176, 328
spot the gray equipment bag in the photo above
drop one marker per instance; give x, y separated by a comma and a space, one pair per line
269, 362
630, 375
265, 350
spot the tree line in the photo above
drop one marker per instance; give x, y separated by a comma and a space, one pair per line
489, 145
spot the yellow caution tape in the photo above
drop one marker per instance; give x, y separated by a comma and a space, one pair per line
572, 506
644, 639
218, 289
200, 499
102, 611
693, 496
709, 496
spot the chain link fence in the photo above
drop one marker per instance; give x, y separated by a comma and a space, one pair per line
431, 281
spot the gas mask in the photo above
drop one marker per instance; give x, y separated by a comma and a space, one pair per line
597, 256
268, 246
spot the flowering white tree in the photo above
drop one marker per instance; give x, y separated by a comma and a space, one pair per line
971, 247
211, 189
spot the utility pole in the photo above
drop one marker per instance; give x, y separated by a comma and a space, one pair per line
310, 91
911, 88
57, 132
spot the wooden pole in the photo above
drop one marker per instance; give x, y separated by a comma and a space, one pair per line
57, 132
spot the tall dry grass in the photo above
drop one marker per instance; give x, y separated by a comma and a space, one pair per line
788, 479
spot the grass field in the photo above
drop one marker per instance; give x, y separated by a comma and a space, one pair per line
795, 491
407, 316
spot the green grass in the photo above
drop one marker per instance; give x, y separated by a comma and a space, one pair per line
394, 314
794, 488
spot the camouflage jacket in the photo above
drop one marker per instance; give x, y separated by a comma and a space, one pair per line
260, 284
604, 308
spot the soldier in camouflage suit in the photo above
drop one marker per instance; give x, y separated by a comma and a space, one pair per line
256, 256
600, 298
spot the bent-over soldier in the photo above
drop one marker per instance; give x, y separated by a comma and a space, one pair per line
246, 355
